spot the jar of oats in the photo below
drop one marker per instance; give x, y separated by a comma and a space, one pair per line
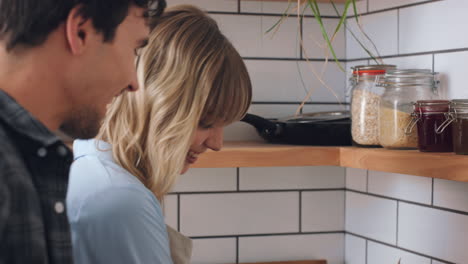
365, 97
402, 88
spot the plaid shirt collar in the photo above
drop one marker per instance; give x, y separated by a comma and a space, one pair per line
23, 122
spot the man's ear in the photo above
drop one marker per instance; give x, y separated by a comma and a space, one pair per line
78, 30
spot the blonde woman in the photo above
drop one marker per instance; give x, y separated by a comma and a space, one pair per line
193, 83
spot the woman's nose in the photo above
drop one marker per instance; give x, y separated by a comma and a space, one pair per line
215, 140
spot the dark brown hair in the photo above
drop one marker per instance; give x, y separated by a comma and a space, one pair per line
29, 22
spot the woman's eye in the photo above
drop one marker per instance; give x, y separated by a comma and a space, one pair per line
204, 126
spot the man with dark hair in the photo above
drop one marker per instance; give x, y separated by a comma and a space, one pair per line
61, 63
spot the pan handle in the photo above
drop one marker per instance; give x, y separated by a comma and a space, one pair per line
264, 126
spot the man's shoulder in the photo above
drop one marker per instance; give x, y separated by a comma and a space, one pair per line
11, 160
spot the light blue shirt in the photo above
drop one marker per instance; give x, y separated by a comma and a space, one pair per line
113, 217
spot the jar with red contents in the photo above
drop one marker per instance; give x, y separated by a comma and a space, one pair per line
429, 115
458, 121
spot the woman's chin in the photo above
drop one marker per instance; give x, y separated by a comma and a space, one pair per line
186, 168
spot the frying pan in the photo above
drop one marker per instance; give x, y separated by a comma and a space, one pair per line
318, 129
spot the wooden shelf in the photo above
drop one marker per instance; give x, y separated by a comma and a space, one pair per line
435, 165
257, 154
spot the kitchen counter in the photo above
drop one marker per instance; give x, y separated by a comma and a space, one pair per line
258, 154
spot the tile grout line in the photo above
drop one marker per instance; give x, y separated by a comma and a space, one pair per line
296, 103
398, 31
238, 179
264, 58
261, 191
391, 56
301, 32
395, 8
300, 211
345, 199
239, 6
397, 247
412, 54
345, 210
367, 181
432, 192
270, 234
397, 221
178, 212
367, 245
234, 13
411, 202
323, 190
237, 250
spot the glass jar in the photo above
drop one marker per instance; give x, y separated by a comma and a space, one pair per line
429, 115
365, 103
402, 88
458, 118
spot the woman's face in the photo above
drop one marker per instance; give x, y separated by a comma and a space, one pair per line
204, 138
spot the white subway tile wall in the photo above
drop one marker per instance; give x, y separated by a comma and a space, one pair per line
239, 131
382, 28
230, 224
239, 213
269, 7
451, 194
355, 250
170, 210
214, 251
421, 32
453, 74
433, 232
205, 180
208, 5
356, 179
323, 211
275, 110
382, 254
375, 5
297, 247
249, 37
411, 36
411, 62
401, 186
275, 178
290, 81
314, 44
362, 6
372, 217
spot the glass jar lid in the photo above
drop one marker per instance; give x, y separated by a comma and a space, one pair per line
431, 106
410, 77
459, 106
371, 70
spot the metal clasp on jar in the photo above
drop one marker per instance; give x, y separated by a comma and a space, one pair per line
450, 117
415, 119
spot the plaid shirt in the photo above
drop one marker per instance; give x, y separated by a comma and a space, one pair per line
34, 167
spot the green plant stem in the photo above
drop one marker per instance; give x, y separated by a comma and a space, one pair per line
315, 9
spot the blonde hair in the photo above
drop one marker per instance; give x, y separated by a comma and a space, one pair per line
189, 74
